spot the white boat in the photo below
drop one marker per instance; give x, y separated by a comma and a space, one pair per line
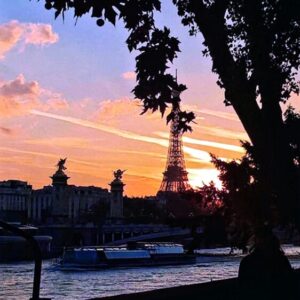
132, 255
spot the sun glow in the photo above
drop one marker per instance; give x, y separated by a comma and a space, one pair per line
199, 177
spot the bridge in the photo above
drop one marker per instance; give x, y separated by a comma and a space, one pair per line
171, 232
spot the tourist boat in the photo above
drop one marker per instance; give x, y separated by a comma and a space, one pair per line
132, 255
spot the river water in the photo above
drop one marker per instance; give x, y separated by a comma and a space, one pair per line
16, 279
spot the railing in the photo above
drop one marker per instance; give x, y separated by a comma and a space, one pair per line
37, 255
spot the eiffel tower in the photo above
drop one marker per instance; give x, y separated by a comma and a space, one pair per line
175, 175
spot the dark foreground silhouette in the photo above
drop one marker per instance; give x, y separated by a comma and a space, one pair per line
266, 272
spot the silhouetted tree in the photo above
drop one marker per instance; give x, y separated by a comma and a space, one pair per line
185, 204
255, 49
142, 209
292, 123
243, 192
212, 199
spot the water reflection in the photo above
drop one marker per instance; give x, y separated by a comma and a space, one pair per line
17, 279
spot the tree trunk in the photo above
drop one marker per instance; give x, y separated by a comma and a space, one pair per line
263, 125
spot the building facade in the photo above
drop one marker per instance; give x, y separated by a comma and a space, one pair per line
66, 204
14, 197
59, 203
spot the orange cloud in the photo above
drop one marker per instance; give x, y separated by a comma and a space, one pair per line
13, 32
111, 111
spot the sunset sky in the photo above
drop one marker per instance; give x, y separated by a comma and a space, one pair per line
65, 91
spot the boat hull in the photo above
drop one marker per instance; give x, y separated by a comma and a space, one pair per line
139, 255
130, 263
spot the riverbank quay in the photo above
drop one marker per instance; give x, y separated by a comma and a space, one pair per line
226, 289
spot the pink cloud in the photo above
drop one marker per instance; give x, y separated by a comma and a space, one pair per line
39, 34
10, 106
18, 95
57, 103
13, 32
10, 34
129, 75
53, 100
117, 109
20, 88
126, 113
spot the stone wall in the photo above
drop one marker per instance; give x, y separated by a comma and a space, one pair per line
216, 290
